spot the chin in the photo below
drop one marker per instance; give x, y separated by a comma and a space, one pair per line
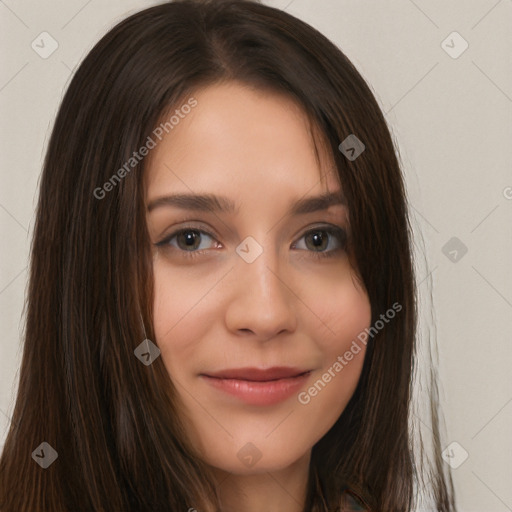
252, 458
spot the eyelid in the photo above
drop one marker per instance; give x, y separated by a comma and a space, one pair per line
190, 225
335, 231
198, 226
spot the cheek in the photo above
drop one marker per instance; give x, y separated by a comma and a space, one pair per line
345, 312
180, 297
342, 311
334, 312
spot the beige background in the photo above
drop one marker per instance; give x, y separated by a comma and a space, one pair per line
452, 118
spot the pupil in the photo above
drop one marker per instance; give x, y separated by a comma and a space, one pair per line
189, 238
318, 239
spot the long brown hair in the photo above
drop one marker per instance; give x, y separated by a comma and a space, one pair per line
113, 421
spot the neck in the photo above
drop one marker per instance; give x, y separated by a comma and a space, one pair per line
282, 490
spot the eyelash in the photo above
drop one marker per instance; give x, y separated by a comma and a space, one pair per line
331, 230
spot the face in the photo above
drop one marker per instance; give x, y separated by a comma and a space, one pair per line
255, 306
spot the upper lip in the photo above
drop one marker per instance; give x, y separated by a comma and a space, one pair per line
257, 374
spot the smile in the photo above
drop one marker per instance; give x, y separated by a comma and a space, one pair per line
258, 389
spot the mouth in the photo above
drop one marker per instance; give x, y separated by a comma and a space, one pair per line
258, 386
258, 374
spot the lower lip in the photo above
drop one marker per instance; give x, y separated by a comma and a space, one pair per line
259, 393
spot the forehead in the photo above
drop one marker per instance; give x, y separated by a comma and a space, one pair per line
242, 137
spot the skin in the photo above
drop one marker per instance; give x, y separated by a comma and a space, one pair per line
286, 308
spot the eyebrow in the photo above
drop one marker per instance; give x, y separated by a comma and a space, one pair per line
221, 204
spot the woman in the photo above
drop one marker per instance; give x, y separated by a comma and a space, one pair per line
187, 351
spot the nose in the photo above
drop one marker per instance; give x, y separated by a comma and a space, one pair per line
262, 302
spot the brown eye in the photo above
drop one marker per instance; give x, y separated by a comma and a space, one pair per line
319, 239
187, 240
